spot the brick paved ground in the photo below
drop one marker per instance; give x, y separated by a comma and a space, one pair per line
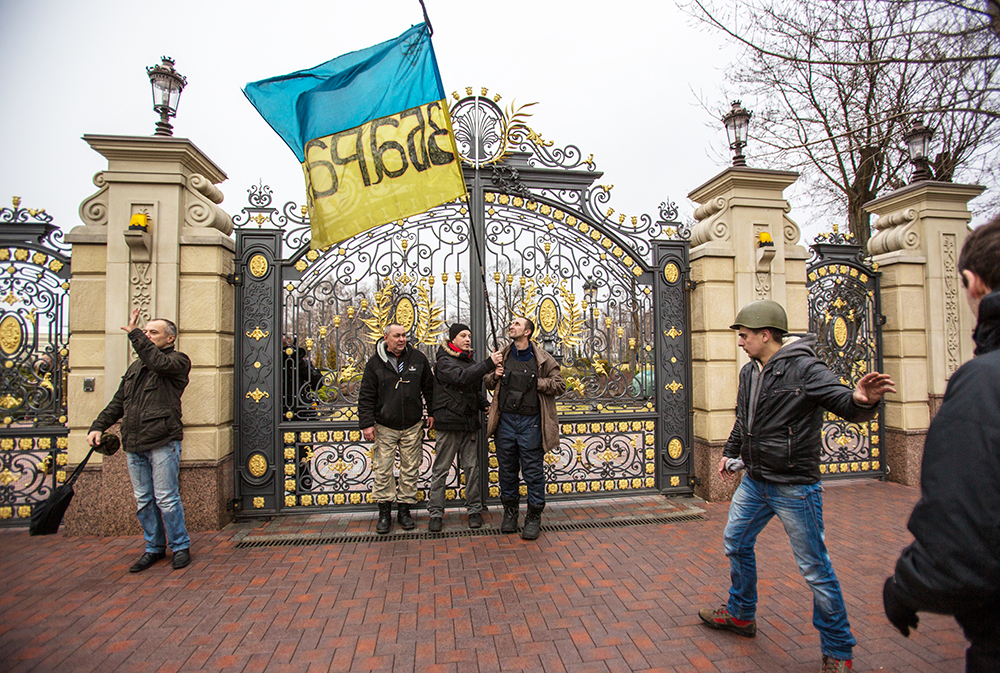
613, 599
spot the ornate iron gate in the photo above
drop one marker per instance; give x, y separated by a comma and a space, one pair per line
606, 292
845, 312
34, 334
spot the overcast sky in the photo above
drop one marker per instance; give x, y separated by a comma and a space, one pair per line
620, 80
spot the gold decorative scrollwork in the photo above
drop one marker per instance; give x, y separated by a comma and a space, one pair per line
10, 334
257, 334
548, 314
405, 313
674, 332
258, 502
840, 331
675, 448
671, 272
258, 265
257, 465
673, 387
257, 395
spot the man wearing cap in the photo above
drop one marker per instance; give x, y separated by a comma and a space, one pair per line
458, 401
148, 402
783, 391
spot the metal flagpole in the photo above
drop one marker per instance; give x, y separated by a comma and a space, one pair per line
475, 237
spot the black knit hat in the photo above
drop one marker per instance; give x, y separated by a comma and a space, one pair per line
455, 329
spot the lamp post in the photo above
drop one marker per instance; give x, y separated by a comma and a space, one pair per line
590, 289
917, 140
167, 85
737, 121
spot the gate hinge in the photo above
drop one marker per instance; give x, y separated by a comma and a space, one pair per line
690, 285
883, 319
233, 505
695, 481
235, 279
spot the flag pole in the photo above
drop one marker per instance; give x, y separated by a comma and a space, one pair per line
475, 238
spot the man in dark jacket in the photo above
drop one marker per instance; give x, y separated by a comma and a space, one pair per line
779, 416
458, 401
524, 422
390, 414
148, 402
953, 565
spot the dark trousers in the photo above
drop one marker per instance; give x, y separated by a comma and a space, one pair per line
982, 628
518, 441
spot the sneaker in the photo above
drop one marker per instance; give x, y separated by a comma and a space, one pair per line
831, 665
721, 619
436, 524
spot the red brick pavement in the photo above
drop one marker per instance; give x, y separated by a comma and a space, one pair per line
612, 599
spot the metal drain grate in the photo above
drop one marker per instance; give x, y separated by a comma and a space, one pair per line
360, 538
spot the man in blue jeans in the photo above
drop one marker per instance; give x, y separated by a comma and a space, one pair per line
523, 420
148, 402
779, 417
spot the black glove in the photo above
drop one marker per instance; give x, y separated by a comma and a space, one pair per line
902, 616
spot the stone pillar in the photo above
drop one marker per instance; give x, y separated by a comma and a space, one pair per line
919, 232
176, 270
730, 269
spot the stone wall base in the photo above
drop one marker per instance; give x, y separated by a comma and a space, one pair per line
104, 503
711, 486
904, 453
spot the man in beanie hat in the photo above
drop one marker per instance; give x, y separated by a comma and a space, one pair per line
458, 400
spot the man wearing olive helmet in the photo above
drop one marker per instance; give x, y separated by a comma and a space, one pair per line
783, 391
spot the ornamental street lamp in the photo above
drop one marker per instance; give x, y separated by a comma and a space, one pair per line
167, 85
590, 288
917, 140
736, 123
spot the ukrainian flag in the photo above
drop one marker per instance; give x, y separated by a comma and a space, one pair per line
372, 131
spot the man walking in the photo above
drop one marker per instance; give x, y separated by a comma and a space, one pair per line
458, 401
953, 565
148, 402
390, 414
779, 416
523, 420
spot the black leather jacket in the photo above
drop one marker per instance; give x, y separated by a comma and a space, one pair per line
780, 442
149, 397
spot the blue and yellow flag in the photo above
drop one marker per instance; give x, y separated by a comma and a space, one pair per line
372, 131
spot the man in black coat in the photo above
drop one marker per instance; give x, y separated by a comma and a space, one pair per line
953, 565
458, 401
148, 402
390, 414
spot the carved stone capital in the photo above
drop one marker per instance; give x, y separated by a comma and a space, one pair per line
201, 212
94, 209
896, 231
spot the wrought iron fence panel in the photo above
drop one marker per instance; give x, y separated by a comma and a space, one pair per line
589, 283
845, 314
34, 357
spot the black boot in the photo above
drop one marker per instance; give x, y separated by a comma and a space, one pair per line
532, 522
405, 520
509, 523
384, 518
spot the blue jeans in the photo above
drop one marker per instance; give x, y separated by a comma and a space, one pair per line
518, 439
156, 486
800, 509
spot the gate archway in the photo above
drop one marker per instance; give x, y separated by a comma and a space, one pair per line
606, 291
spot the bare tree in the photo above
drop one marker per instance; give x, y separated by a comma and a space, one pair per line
837, 82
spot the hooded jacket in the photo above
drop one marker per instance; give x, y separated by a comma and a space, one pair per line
148, 399
550, 385
458, 390
391, 397
954, 561
779, 413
